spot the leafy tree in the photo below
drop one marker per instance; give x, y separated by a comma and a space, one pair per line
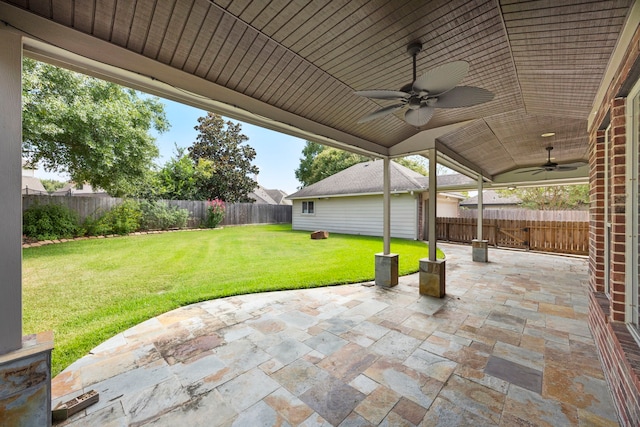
319, 162
331, 161
51, 185
309, 153
183, 179
415, 163
96, 131
559, 197
219, 149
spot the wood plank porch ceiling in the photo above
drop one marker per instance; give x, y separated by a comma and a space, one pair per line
544, 60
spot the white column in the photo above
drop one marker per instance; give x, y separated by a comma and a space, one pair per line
433, 197
480, 207
10, 192
386, 210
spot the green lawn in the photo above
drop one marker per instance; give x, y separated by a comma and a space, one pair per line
87, 291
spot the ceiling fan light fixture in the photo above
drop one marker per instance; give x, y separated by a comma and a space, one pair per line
547, 134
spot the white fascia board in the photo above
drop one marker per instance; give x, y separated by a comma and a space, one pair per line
458, 163
424, 140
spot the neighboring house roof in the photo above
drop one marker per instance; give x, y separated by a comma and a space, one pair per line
491, 197
367, 178
32, 185
263, 196
72, 189
278, 196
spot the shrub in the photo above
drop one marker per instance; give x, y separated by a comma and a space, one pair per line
121, 219
215, 213
159, 216
50, 221
94, 227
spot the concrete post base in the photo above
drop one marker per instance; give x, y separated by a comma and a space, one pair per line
432, 277
25, 395
480, 250
386, 270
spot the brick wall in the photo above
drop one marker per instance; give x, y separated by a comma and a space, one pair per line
620, 358
619, 352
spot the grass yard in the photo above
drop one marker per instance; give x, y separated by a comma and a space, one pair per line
87, 291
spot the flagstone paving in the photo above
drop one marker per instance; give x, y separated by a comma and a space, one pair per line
508, 346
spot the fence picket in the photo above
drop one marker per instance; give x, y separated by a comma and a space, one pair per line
236, 213
548, 236
526, 214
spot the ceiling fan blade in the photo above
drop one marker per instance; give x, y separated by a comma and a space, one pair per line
574, 165
566, 168
381, 113
464, 96
441, 78
530, 170
419, 117
539, 171
383, 94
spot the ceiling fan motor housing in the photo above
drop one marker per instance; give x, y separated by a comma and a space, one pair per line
414, 48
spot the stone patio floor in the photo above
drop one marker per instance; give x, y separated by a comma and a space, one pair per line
508, 346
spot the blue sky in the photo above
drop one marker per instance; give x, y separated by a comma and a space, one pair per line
277, 155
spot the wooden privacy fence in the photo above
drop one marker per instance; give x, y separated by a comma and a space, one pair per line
251, 213
570, 237
236, 213
528, 214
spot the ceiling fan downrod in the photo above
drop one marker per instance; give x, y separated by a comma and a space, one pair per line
414, 49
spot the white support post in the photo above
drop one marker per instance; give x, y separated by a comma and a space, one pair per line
386, 263
479, 246
433, 197
480, 207
386, 210
431, 278
25, 399
10, 192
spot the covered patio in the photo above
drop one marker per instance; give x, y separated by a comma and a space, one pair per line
510, 345
562, 74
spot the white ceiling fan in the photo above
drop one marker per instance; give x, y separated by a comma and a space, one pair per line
550, 166
437, 88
